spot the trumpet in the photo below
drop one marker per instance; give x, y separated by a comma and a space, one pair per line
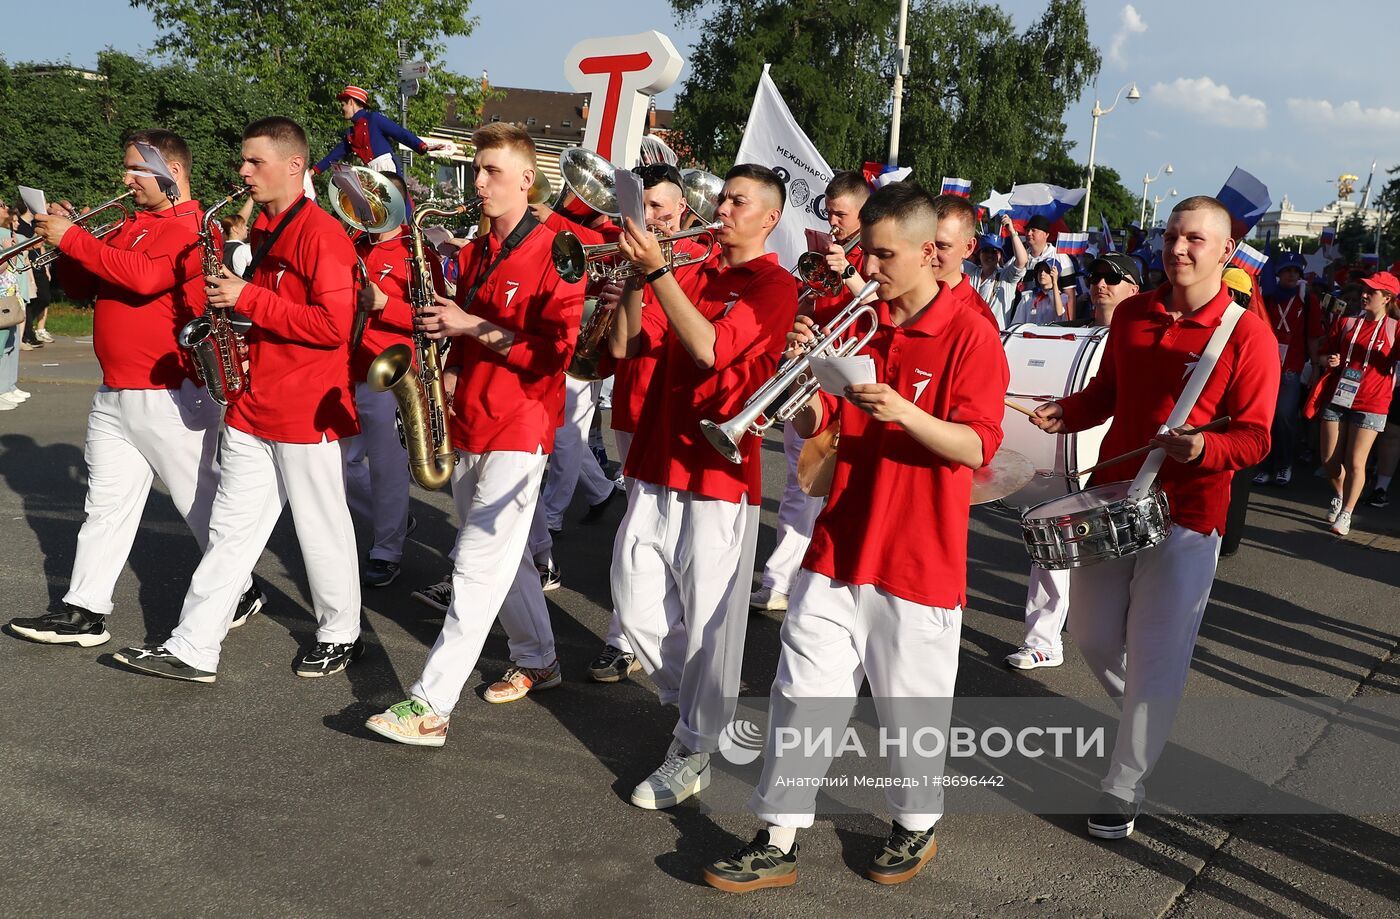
758, 414
45, 258
817, 276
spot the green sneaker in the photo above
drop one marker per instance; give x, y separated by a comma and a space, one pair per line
905, 854
754, 867
412, 721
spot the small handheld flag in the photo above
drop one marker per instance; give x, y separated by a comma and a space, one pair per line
1248, 258
960, 187
1072, 243
1246, 198
1107, 234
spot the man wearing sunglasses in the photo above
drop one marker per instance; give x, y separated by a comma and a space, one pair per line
1113, 278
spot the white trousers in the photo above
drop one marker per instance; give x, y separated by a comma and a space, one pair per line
134, 435
572, 464
259, 477
376, 472
616, 636
797, 515
1135, 621
835, 637
680, 585
492, 574
1047, 606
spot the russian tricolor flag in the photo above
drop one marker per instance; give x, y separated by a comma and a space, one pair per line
1246, 198
1072, 243
1249, 258
960, 187
1049, 201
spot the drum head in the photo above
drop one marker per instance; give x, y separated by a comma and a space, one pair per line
1080, 501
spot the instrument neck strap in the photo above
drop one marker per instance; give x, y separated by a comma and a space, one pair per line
266, 245
516, 237
1189, 395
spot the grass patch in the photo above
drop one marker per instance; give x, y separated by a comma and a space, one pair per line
68, 320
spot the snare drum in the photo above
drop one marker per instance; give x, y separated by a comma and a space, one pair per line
1095, 525
1052, 361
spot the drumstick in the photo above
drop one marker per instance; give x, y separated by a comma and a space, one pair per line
1208, 426
1020, 408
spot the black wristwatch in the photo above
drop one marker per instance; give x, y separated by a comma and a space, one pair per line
850, 272
651, 278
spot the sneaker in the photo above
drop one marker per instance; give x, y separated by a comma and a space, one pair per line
7, 406
754, 867
517, 682
326, 658
1112, 818
1262, 478
620, 483
904, 855
13, 397
595, 512
157, 660
613, 666
20, 393
413, 722
679, 776
380, 573
1283, 476
766, 598
1342, 526
248, 605
1031, 658
71, 625
438, 596
26, 346
1334, 508
549, 576
1378, 498
43, 335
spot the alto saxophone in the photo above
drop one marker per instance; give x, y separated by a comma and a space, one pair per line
215, 345
419, 393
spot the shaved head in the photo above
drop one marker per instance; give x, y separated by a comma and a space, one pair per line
906, 204
1219, 215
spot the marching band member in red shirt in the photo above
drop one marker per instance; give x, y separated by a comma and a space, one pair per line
515, 331
150, 417
1296, 318
281, 438
684, 551
797, 511
871, 603
957, 237
1135, 619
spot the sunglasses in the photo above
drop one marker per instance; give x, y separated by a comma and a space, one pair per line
1111, 277
657, 172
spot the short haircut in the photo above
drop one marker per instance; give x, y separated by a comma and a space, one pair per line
906, 203
504, 135
284, 133
396, 180
953, 207
763, 176
847, 184
229, 221
171, 146
1207, 203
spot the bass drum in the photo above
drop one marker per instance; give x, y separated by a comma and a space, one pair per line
1050, 362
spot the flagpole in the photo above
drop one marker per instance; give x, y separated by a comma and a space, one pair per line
901, 66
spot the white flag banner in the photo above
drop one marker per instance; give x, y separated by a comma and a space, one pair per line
772, 138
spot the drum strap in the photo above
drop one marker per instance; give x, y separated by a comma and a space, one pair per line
1197, 382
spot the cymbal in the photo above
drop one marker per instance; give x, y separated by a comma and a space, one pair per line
1006, 474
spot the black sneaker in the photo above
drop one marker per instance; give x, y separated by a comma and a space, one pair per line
754, 867
595, 512
248, 605
1112, 818
549, 577
71, 625
438, 596
156, 660
1378, 498
613, 665
326, 658
904, 855
380, 573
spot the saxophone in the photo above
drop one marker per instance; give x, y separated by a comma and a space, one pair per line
215, 345
419, 393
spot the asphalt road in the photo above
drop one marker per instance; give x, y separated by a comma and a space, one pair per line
262, 795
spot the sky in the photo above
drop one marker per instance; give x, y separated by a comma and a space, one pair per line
1223, 84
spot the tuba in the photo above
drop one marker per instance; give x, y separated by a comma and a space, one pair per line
590, 185
701, 191
218, 349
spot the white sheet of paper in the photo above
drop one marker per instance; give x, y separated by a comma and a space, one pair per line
33, 199
836, 373
629, 197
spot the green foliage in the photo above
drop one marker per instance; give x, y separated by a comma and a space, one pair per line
1389, 202
1355, 237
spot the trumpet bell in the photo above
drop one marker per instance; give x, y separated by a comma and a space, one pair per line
366, 200
570, 257
701, 191
590, 185
542, 190
725, 438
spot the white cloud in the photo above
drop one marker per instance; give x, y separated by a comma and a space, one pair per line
1131, 24
1319, 113
1212, 102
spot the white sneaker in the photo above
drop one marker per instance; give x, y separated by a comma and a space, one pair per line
1031, 658
1283, 476
768, 599
7, 406
681, 775
21, 393
1334, 509
43, 335
1262, 478
11, 398
1343, 524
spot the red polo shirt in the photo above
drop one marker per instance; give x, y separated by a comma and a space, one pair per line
302, 304
752, 306
897, 515
147, 280
608, 233
1144, 370
1295, 323
514, 401
386, 263
1376, 362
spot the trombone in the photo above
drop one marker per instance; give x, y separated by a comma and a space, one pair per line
45, 258
755, 417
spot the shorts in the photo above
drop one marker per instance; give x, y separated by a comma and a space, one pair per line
1370, 421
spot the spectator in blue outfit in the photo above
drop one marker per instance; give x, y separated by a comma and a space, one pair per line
371, 135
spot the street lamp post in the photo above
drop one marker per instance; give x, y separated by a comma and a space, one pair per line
1156, 200
1148, 179
1098, 112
